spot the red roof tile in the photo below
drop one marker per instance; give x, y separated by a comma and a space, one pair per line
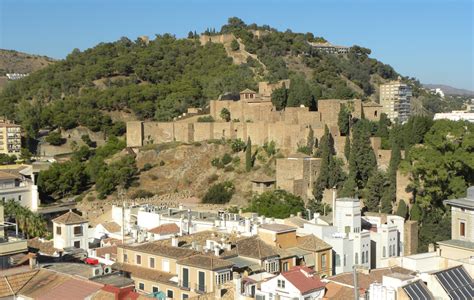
305, 283
165, 229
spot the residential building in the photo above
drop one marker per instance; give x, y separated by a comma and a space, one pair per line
455, 116
70, 230
330, 48
298, 283
10, 242
395, 98
262, 183
10, 137
14, 185
108, 229
461, 244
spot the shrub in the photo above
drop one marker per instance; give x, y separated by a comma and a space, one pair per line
153, 177
162, 163
212, 178
87, 140
276, 204
215, 162
226, 159
225, 114
147, 167
205, 119
197, 144
6, 159
219, 193
90, 198
270, 148
237, 145
142, 194
229, 169
234, 45
55, 139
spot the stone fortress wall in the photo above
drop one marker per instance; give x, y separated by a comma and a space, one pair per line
254, 116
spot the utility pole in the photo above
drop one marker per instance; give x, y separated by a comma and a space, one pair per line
356, 288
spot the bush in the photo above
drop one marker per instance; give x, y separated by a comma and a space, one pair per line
226, 159
237, 145
219, 193
90, 198
54, 138
276, 204
212, 178
229, 169
153, 177
162, 163
205, 119
147, 167
234, 45
270, 148
87, 140
6, 159
142, 194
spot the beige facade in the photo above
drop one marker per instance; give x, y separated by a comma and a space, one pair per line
395, 98
297, 174
10, 137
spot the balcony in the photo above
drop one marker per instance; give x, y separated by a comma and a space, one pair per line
199, 288
184, 285
12, 245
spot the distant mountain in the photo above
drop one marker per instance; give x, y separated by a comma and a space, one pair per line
449, 90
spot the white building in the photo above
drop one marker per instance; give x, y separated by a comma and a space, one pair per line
297, 283
20, 188
455, 116
351, 244
438, 91
395, 98
70, 230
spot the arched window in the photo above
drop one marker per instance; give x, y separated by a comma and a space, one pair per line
363, 257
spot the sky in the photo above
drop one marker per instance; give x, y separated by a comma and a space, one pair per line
431, 40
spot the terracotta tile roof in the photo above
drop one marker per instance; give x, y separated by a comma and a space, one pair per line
335, 291
305, 283
13, 283
101, 251
277, 227
6, 175
296, 221
160, 249
263, 178
165, 229
311, 242
70, 218
208, 262
111, 241
144, 273
364, 280
43, 246
72, 288
111, 226
254, 247
248, 91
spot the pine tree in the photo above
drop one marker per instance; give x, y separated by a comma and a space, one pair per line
248, 155
402, 209
416, 213
349, 189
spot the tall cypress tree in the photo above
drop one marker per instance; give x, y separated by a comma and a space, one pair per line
362, 161
347, 147
310, 141
248, 155
374, 191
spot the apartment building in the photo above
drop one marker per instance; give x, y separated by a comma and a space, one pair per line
10, 242
14, 185
10, 137
395, 98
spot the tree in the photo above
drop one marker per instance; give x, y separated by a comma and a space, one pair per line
347, 148
248, 155
29, 223
310, 140
416, 213
55, 139
349, 188
87, 140
384, 123
219, 193
279, 98
276, 204
225, 114
374, 191
234, 45
299, 93
6, 159
190, 35
386, 205
237, 145
402, 209
344, 120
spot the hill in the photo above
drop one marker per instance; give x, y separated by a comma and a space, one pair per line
449, 90
18, 62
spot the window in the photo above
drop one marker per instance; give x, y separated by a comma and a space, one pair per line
165, 265
357, 258
338, 260
152, 262
141, 286
78, 230
462, 229
155, 289
384, 252
19, 197
169, 294
222, 277
58, 230
201, 281
271, 266
367, 256
285, 266
345, 259
363, 257
185, 278
125, 257
281, 284
185, 296
77, 244
139, 259
323, 261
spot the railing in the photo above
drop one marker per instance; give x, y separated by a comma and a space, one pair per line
185, 285
200, 288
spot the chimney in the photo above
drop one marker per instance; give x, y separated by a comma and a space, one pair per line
174, 242
32, 261
237, 285
217, 251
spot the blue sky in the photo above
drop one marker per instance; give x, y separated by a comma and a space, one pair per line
429, 39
